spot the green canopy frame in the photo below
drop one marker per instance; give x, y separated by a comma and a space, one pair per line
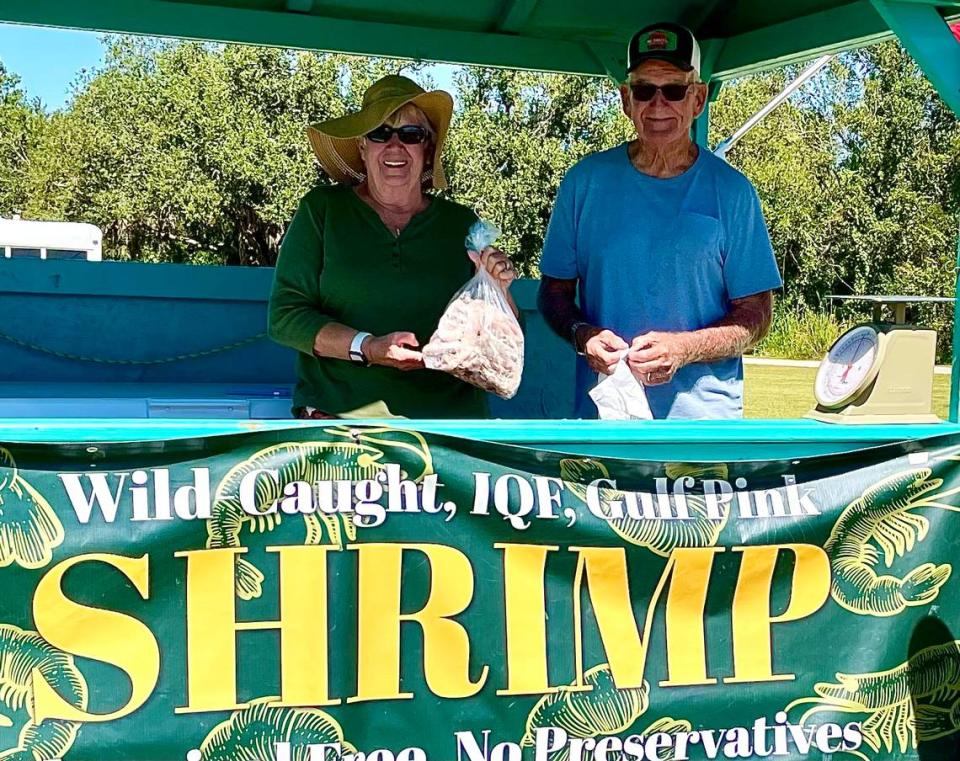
737, 37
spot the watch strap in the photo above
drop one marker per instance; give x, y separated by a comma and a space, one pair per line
573, 335
356, 348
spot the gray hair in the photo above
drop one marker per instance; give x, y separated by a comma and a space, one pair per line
410, 113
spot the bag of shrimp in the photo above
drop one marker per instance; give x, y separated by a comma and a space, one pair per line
478, 338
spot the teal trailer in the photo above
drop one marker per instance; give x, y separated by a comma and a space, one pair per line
71, 371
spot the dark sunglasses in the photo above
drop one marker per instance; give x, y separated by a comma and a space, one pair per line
409, 134
643, 92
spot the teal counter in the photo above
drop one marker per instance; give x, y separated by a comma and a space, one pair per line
121, 351
655, 440
130, 340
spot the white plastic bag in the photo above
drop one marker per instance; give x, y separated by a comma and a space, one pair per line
478, 339
620, 396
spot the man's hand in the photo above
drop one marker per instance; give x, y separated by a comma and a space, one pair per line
603, 348
393, 350
655, 357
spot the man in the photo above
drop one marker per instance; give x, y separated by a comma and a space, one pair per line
667, 246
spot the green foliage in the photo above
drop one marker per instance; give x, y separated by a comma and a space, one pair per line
21, 125
515, 136
799, 332
191, 152
859, 179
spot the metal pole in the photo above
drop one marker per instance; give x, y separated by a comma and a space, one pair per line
813, 68
955, 373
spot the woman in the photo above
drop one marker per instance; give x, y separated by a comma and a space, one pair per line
368, 265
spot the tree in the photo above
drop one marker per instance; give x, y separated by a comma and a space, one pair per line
191, 152
21, 125
515, 136
859, 178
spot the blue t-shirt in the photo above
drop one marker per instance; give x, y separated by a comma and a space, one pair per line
661, 254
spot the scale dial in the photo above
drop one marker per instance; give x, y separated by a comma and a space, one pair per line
850, 366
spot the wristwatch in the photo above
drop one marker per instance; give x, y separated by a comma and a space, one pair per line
356, 349
573, 335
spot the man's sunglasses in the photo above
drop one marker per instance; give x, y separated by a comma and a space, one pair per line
409, 134
643, 92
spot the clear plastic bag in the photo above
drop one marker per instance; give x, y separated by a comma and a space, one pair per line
478, 339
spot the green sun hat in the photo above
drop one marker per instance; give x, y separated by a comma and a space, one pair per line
335, 140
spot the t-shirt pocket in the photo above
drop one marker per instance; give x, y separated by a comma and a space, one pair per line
698, 258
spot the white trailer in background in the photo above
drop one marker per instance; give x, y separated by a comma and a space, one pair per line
21, 238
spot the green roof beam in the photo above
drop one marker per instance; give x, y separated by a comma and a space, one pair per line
516, 14
300, 6
831, 31
934, 3
311, 32
925, 35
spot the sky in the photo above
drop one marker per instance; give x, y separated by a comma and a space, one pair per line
48, 61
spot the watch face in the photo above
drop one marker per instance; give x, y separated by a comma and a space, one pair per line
849, 366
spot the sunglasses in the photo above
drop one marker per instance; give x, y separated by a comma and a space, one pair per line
643, 92
408, 134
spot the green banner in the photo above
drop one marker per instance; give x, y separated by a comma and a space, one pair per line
376, 594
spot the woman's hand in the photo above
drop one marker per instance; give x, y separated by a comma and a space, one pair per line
497, 263
397, 350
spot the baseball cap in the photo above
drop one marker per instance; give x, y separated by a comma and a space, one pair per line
664, 42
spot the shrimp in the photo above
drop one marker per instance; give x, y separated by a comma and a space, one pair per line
21, 654
657, 534
600, 710
358, 458
901, 703
882, 514
253, 733
29, 527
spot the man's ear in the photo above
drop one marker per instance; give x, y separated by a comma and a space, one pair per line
625, 100
700, 92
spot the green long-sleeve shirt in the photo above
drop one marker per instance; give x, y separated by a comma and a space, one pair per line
339, 262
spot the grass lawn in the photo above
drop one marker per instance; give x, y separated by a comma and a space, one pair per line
787, 392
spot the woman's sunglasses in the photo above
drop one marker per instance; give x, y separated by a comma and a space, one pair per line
643, 92
409, 134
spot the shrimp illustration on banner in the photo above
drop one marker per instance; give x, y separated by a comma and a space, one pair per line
29, 528
351, 455
917, 700
885, 516
643, 523
22, 655
599, 710
254, 733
